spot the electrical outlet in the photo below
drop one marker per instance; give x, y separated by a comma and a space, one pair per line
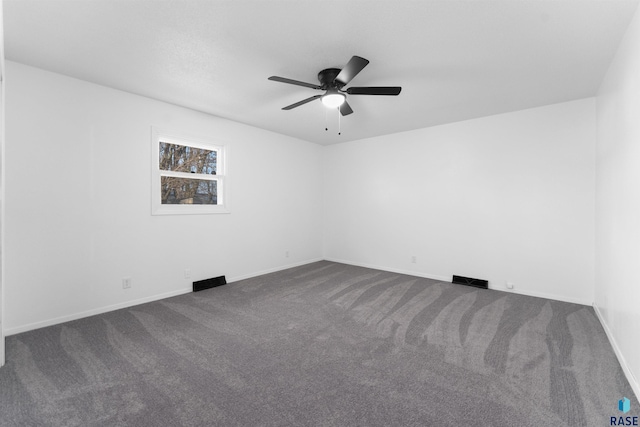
126, 283
286, 254
414, 259
187, 273
510, 285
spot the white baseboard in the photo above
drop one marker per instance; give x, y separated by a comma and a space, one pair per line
448, 279
93, 312
545, 296
272, 270
2, 356
393, 270
106, 309
623, 362
100, 310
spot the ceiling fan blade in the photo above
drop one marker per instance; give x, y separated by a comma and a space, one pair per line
293, 82
345, 109
353, 67
379, 90
299, 103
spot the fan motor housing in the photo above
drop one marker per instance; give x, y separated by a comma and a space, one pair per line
327, 78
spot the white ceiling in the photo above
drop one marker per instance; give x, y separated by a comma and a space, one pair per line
455, 60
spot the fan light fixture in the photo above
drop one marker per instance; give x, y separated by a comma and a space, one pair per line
332, 81
333, 99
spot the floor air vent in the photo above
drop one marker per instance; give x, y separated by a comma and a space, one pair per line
468, 281
201, 285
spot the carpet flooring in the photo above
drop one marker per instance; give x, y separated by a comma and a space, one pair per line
324, 344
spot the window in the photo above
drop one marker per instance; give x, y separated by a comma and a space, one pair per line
188, 175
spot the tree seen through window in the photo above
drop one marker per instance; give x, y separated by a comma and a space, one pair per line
185, 159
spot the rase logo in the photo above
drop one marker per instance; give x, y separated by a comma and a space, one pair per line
624, 405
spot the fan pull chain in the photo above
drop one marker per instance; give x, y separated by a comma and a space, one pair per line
326, 119
326, 126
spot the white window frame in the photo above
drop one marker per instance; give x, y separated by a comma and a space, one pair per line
222, 173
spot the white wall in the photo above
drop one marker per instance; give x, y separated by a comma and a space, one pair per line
78, 201
506, 197
2, 73
617, 292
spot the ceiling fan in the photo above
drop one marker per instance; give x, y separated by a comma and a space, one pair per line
333, 80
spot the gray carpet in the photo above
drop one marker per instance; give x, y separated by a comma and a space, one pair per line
323, 344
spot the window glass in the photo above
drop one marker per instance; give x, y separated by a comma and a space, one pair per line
186, 191
181, 158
